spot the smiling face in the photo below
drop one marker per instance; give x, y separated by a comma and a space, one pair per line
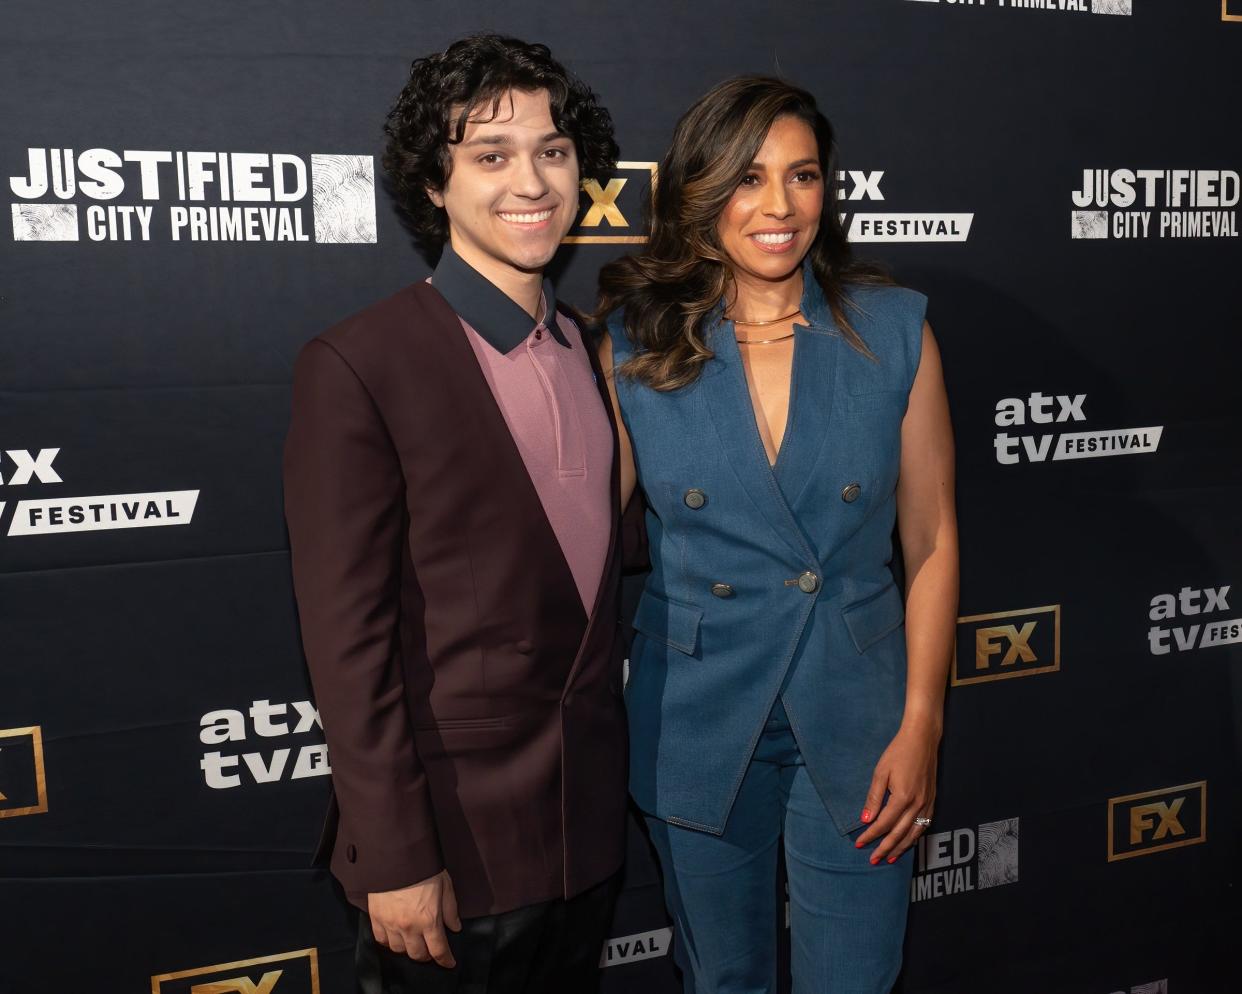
512, 192
773, 216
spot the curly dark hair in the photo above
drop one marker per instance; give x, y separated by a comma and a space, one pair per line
475, 70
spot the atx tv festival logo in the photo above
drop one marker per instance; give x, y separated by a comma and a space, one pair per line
268, 721
889, 226
1049, 409
639, 946
56, 515
1156, 820
611, 207
101, 195
963, 859
1056, 6
23, 780
281, 973
1192, 632
1156, 203
1007, 644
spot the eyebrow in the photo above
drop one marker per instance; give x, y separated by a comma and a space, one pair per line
506, 140
792, 165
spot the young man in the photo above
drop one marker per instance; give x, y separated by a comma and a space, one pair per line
452, 500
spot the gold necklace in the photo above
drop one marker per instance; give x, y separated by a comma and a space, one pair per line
760, 324
762, 341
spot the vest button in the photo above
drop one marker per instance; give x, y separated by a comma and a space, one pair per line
722, 590
808, 582
850, 493
695, 498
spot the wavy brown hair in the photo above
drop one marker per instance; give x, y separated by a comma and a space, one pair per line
670, 288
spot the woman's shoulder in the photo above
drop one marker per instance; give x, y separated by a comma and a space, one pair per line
891, 300
614, 328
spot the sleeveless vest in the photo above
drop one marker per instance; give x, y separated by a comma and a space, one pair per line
771, 581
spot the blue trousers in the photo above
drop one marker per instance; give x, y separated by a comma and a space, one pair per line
847, 918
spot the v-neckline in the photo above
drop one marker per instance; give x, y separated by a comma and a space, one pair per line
791, 405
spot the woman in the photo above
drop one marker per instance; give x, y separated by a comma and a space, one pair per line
781, 405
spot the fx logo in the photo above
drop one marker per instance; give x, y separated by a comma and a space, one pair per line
1139, 824
1007, 644
610, 206
23, 780
298, 973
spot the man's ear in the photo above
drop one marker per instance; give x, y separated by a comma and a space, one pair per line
435, 196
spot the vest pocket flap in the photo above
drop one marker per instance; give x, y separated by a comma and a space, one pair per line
668, 621
873, 617
871, 400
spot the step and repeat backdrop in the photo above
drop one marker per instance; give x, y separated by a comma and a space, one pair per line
194, 190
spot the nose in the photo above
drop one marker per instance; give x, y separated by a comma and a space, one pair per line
528, 180
776, 203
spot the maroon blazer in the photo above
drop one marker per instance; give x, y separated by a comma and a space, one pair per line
472, 709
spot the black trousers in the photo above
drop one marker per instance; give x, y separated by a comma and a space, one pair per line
545, 948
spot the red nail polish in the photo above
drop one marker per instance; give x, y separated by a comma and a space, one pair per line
866, 815
874, 860
858, 844
892, 859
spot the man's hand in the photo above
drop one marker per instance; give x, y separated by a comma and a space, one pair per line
411, 920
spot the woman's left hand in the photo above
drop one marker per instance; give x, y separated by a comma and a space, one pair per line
907, 770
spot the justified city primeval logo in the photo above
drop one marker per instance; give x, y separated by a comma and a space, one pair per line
1039, 409
98, 512
1179, 625
863, 187
103, 195
965, 859
1123, 7
262, 725
1156, 203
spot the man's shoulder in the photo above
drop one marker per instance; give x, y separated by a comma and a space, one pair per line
385, 322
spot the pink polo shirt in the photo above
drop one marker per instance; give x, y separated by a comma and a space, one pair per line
548, 396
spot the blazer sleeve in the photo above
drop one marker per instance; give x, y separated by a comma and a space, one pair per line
345, 508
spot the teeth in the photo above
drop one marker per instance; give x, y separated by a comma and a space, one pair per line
773, 239
527, 218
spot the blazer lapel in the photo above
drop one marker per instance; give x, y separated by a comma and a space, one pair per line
509, 468
723, 383
810, 407
607, 585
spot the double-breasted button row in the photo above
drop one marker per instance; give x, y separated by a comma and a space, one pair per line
807, 582
695, 498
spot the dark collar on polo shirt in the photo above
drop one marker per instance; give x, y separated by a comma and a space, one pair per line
498, 319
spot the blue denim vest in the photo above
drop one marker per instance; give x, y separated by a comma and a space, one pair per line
770, 581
